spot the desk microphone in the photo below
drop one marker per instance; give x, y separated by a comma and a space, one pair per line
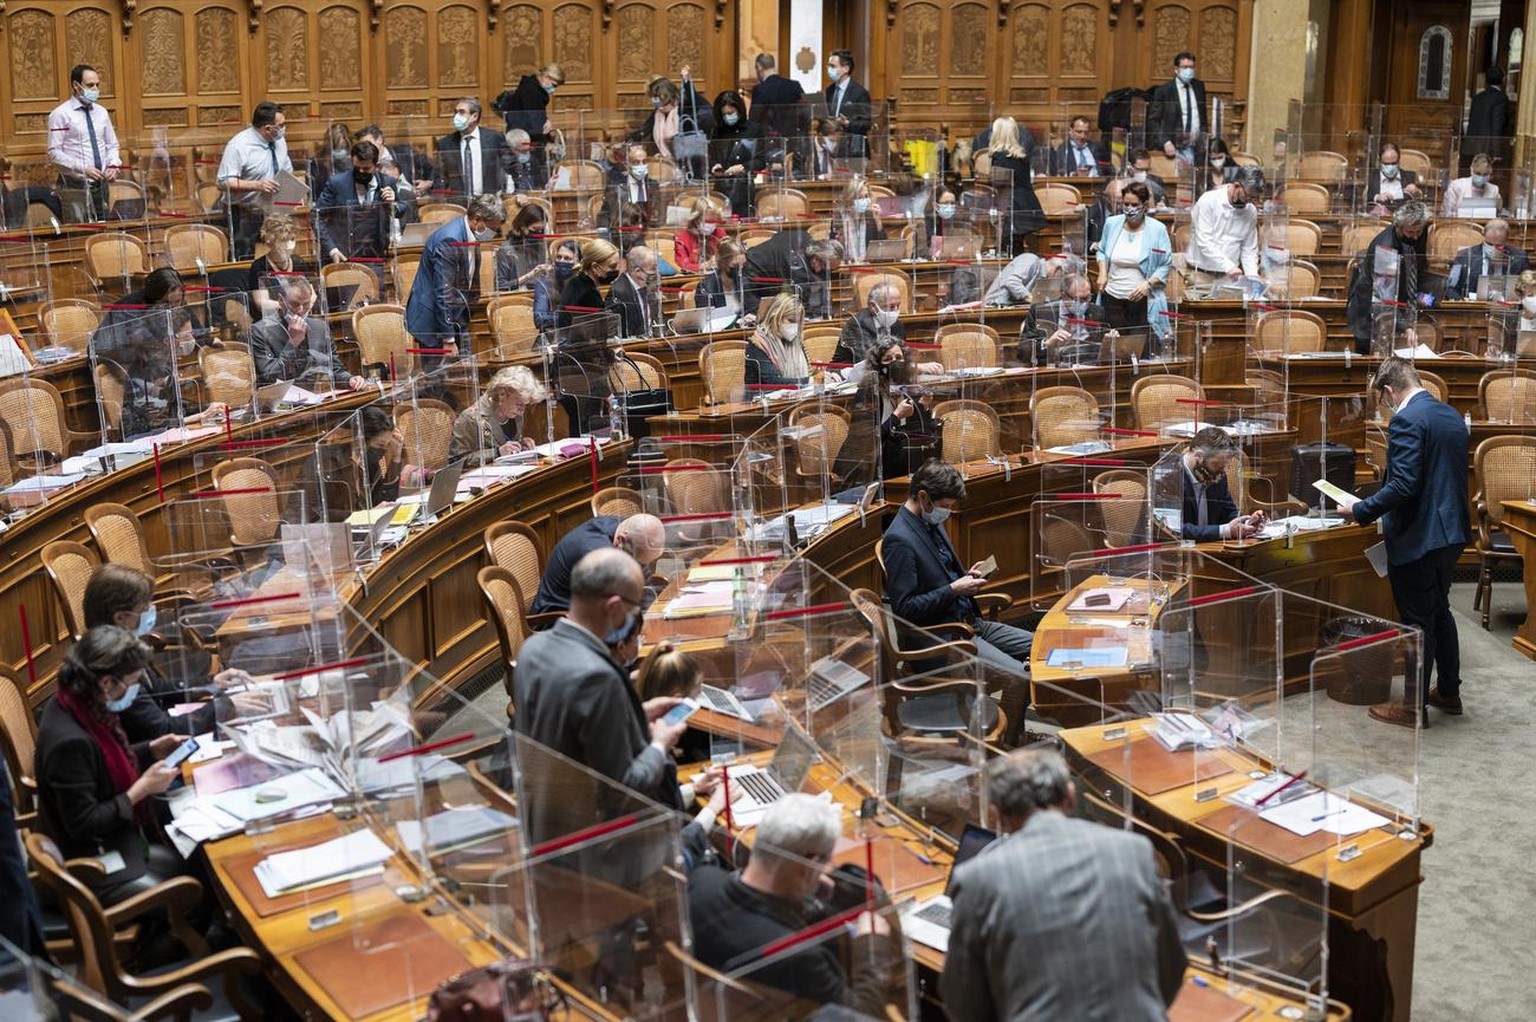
791, 533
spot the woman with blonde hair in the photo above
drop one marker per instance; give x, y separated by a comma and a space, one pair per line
598, 265
858, 222
263, 278
696, 240
493, 425
1011, 171
774, 353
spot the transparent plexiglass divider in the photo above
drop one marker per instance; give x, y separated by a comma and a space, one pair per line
974, 417
579, 357
690, 482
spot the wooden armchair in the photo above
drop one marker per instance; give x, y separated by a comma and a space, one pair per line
1503, 468
69, 566
507, 609
94, 927
623, 501
517, 549
184, 1003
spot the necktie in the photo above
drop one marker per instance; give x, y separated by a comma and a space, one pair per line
469, 169
1189, 109
272, 150
1410, 295
837, 107
1083, 159
90, 129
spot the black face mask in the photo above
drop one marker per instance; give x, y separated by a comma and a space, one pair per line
619, 636
609, 277
363, 177
898, 372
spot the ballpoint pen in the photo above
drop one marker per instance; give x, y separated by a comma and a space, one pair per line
1294, 780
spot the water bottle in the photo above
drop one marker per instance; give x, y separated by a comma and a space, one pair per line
615, 419
739, 604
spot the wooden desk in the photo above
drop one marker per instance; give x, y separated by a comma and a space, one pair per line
1372, 900
1520, 526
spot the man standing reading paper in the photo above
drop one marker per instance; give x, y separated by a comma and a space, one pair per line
1422, 504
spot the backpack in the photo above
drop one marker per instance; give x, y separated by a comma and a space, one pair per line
1115, 107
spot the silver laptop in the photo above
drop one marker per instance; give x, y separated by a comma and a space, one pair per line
754, 789
886, 250
702, 320
725, 701
1478, 209
830, 680
415, 235
928, 921
444, 485
268, 398
956, 246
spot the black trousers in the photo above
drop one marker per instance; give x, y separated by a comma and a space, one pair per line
1127, 315
1422, 591
245, 228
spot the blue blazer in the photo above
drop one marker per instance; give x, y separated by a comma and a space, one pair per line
916, 583
1156, 259
333, 217
1220, 509
447, 284
1423, 497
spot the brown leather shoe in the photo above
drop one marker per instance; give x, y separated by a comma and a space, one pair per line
1450, 705
1400, 714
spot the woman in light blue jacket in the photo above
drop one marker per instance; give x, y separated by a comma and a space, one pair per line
1134, 258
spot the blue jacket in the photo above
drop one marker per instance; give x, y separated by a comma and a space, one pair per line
1423, 497
1156, 258
447, 284
340, 219
916, 582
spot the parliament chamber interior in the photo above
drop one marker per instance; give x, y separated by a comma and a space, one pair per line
644, 509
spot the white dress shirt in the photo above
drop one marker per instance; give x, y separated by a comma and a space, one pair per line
1223, 238
249, 157
1462, 188
1189, 110
472, 164
69, 140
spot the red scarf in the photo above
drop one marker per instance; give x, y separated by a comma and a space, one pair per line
122, 765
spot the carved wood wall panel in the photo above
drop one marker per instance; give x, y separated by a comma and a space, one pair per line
88, 40
523, 49
218, 64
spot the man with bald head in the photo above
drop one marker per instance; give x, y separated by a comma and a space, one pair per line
572, 696
643, 537
1491, 257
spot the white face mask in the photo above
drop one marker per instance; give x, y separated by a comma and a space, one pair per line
861, 206
887, 317
1218, 162
1529, 305
287, 247
460, 122
789, 331
1139, 175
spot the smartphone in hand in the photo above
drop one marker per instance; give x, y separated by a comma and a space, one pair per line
180, 754
681, 712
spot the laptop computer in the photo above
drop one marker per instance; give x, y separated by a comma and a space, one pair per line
886, 250
444, 485
702, 320
761, 787
956, 246
416, 235
1123, 348
1472, 208
724, 701
830, 680
269, 397
928, 921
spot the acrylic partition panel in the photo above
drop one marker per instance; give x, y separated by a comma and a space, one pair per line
578, 358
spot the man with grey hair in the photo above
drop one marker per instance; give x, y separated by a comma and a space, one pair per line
1224, 235
447, 283
867, 327
571, 696
1063, 919
1491, 257
643, 537
471, 159
1384, 282
527, 170
634, 296
736, 915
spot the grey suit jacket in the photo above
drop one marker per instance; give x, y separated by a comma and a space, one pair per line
1065, 919
572, 697
276, 360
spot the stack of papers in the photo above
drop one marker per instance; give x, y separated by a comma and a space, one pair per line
1271, 790
487, 476
1177, 731
280, 795
723, 572
1297, 523
1108, 656
701, 601
1322, 810
1085, 447
453, 829
297, 397
38, 484
358, 854
376, 776
809, 522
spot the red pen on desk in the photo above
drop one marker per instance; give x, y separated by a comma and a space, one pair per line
1294, 780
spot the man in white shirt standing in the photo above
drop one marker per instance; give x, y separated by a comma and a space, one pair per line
1176, 119
82, 142
1224, 235
248, 174
1476, 187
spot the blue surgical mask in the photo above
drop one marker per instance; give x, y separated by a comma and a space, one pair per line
1479, 180
730, 119
460, 122
1186, 74
1389, 170
861, 206
485, 234
524, 157
146, 622
946, 210
549, 88
125, 700
90, 95
834, 72
622, 634
938, 516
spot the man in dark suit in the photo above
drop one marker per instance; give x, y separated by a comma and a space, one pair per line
572, 696
864, 329
736, 916
472, 160
848, 104
1079, 156
1368, 311
1177, 122
628, 185
1493, 257
1488, 119
1422, 505
1208, 512
1064, 912
295, 345
926, 585
643, 537
447, 283
634, 297
1064, 332
790, 260
353, 212
776, 106
1389, 185
1138, 167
